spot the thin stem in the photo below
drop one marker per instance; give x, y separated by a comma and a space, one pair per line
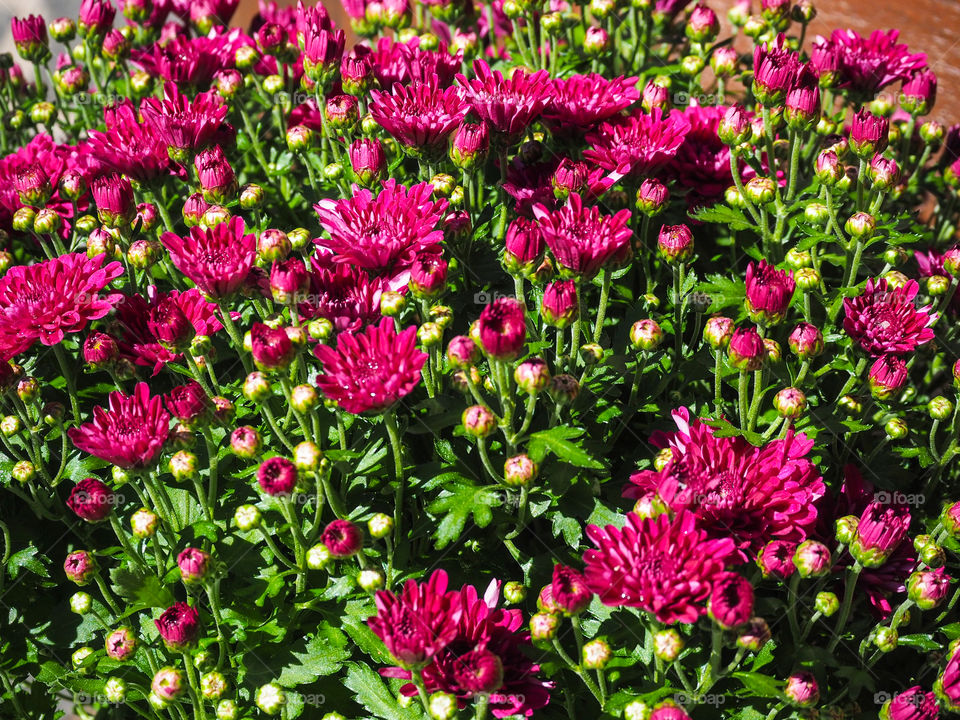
602, 308
390, 420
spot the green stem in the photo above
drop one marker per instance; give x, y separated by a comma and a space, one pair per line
68, 376
390, 420
853, 574
602, 309
742, 392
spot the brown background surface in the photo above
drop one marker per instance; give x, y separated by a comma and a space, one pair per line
930, 26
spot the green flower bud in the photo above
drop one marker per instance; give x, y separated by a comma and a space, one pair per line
213, 685
24, 471
183, 465
380, 525
10, 425
143, 523
940, 408
247, 517
443, 706
826, 603
896, 428
79, 657
543, 626
885, 639
318, 557
270, 698
115, 690
596, 654
846, 529
227, 710
514, 592
667, 644
80, 603
370, 580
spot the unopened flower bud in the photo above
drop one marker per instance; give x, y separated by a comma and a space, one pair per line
143, 523
544, 626
519, 470
896, 428
183, 465
514, 592
826, 603
478, 421
370, 580
270, 698
380, 525
790, 402
596, 654
667, 645
80, 603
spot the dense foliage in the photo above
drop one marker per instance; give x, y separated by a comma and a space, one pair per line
518, 360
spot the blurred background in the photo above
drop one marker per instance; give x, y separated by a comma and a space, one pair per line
930, 26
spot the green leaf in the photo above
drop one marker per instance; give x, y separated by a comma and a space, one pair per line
372, 693
322, 654
723, 215
142, 589
722, 292
558, 441
919, 641
457, 504
26, 559
758, 684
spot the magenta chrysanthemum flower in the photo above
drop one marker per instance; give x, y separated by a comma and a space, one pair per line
419, 622
666, 566
769, 292
580, 101
509, 106
139, 344
639, 144
373, 370
465, 664
342, 538
38, 158
869, 64
912, 704
179, 626
385, 234
395, 62
420, 115
882, 527
776, 68
885, 320
750, 494
187, 125
130, 434
127, 146
47, 300
530, 185
217, 260
189, 62
343, 294
582, 240
702, 163
731, 601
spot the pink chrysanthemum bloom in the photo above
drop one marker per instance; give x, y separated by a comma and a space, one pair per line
373, 370
639, 144
530, 184
885, 320
385, 234
419, 622
189, 62
130, 434
769, 292
47, 300
420, 115
508, 105
186, 125
776, 68
466, 665
131, 326
735, 490
217, 260
911, 704
44, 157
930, 264
127, 146
582, 240
580, 101
702, 163
869, 64
666, 566
396, 62
343, 294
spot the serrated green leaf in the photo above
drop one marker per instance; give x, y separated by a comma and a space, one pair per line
323, 654
141, 589
558, 440
758, 684
373, 695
